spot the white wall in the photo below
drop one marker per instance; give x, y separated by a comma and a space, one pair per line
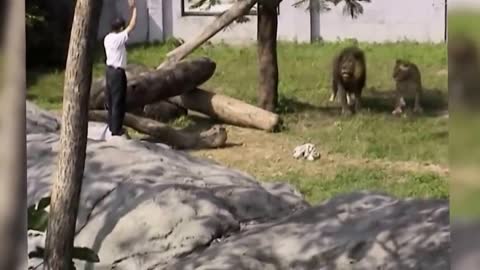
383, 20
387, 20
294, 24
113, 8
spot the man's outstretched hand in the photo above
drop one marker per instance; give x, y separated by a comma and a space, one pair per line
133, 19
131, 3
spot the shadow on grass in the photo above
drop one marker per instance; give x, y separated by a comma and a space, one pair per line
289, 106
435, 103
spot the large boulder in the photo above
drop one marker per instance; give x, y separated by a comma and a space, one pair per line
146, 206
360, 230
40, 121
149, 203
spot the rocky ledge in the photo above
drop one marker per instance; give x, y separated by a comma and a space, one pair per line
146, 206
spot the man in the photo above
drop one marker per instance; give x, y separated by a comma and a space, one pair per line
116, 79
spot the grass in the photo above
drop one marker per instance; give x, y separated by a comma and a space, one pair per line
352, 178
372, 150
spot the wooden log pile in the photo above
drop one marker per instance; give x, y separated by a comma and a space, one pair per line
155, 96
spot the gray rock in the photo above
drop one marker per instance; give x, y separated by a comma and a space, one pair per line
361, 230
145, 204
40, 121
36, 240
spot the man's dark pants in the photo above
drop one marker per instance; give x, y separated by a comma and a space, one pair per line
115, 93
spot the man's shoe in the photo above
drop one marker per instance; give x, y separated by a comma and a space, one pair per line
124, 135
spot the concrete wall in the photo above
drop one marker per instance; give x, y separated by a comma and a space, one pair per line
145, 21
383, 20
294, 24
387, 20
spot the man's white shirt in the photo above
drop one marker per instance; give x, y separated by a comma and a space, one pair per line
115, 51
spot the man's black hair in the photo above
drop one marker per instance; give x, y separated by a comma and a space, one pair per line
118, 24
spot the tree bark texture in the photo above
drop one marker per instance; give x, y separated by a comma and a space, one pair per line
73, 137
227, 109
214, 137
267, 25
238, 9
13, 178
149, 87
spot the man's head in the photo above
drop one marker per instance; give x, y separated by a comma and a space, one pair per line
118, 25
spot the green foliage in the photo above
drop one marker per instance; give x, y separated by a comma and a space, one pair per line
38, 221
47, 25
38, 216
34, 15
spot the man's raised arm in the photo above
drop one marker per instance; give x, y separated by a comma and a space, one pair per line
133, 19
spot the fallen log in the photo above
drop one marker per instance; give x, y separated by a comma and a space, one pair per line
132, 70
227, 109
237, 10
215, 137
162, 111
223, 108
99, 84
156, 85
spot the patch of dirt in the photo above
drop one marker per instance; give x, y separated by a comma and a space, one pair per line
269, 155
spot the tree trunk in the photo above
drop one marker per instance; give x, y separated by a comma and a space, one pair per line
227, 109
267, 55
152, 86
73, 137
213, 138
13, 178
237, 10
